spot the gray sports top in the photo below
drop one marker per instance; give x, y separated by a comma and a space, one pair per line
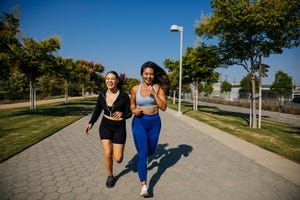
145, 102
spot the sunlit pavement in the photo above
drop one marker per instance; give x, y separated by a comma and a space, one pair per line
192, 161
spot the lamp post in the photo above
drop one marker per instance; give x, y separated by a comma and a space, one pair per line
176, 28
259, 90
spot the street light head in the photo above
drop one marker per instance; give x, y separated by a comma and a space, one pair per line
176, 28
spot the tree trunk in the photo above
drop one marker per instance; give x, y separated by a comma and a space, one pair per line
253, 104
32, 95
66, 92
174, 96
82, 91
196, 95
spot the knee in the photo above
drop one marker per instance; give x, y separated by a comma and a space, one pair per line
118, 159
108, 154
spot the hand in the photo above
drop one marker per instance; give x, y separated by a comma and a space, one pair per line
117, 115
87, 128
137, 111
152, 91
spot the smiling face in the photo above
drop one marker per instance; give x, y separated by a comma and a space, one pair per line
148, 75
111, 81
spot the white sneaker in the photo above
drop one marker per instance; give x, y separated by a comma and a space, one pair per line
144, 191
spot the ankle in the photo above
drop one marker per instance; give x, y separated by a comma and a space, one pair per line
143, 183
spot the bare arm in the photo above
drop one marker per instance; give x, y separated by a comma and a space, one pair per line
134, 109
160, 98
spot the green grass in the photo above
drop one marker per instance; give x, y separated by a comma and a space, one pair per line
282, 139
20, 128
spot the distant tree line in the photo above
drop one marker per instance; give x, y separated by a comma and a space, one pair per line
34, 67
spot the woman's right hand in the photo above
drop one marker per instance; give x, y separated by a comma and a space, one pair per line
137, 111
87, 128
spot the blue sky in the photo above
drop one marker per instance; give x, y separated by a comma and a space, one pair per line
122, 35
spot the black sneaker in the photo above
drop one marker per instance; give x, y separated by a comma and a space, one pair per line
110, 181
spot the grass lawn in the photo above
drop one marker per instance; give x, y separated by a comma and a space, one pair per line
20, 128
282, 139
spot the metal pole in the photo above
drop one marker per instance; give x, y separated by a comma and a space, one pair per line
259, 90
176, 28
180, 74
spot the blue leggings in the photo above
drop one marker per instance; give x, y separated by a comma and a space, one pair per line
145, 129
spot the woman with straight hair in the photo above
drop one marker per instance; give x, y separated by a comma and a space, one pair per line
115, 104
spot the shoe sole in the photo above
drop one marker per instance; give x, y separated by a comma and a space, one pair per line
144, 194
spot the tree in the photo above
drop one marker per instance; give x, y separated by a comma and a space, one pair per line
130, 82
282, 87
245, 89
66, 67
9, 41
173, 67
35, 59
86, 72
247, 29
208, 88
96, 79
226, 87
15, 86
199, 65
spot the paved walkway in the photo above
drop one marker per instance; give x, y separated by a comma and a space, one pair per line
268, 115
39, 102
193, 161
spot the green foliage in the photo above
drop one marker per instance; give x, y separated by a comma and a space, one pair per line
283, 85
9, 28
208, 88
245, 84
129, 83
226, 86
173, 68
199, 64
247, 30
37, 58
24, 59
51, 86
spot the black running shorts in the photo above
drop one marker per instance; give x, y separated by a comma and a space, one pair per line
113, 130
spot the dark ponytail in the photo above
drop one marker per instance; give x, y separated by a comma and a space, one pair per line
160, 76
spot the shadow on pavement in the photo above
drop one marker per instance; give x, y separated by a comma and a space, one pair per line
162, 159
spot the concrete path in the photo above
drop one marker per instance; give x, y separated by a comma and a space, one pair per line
268, 115
192, 161
39, 102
